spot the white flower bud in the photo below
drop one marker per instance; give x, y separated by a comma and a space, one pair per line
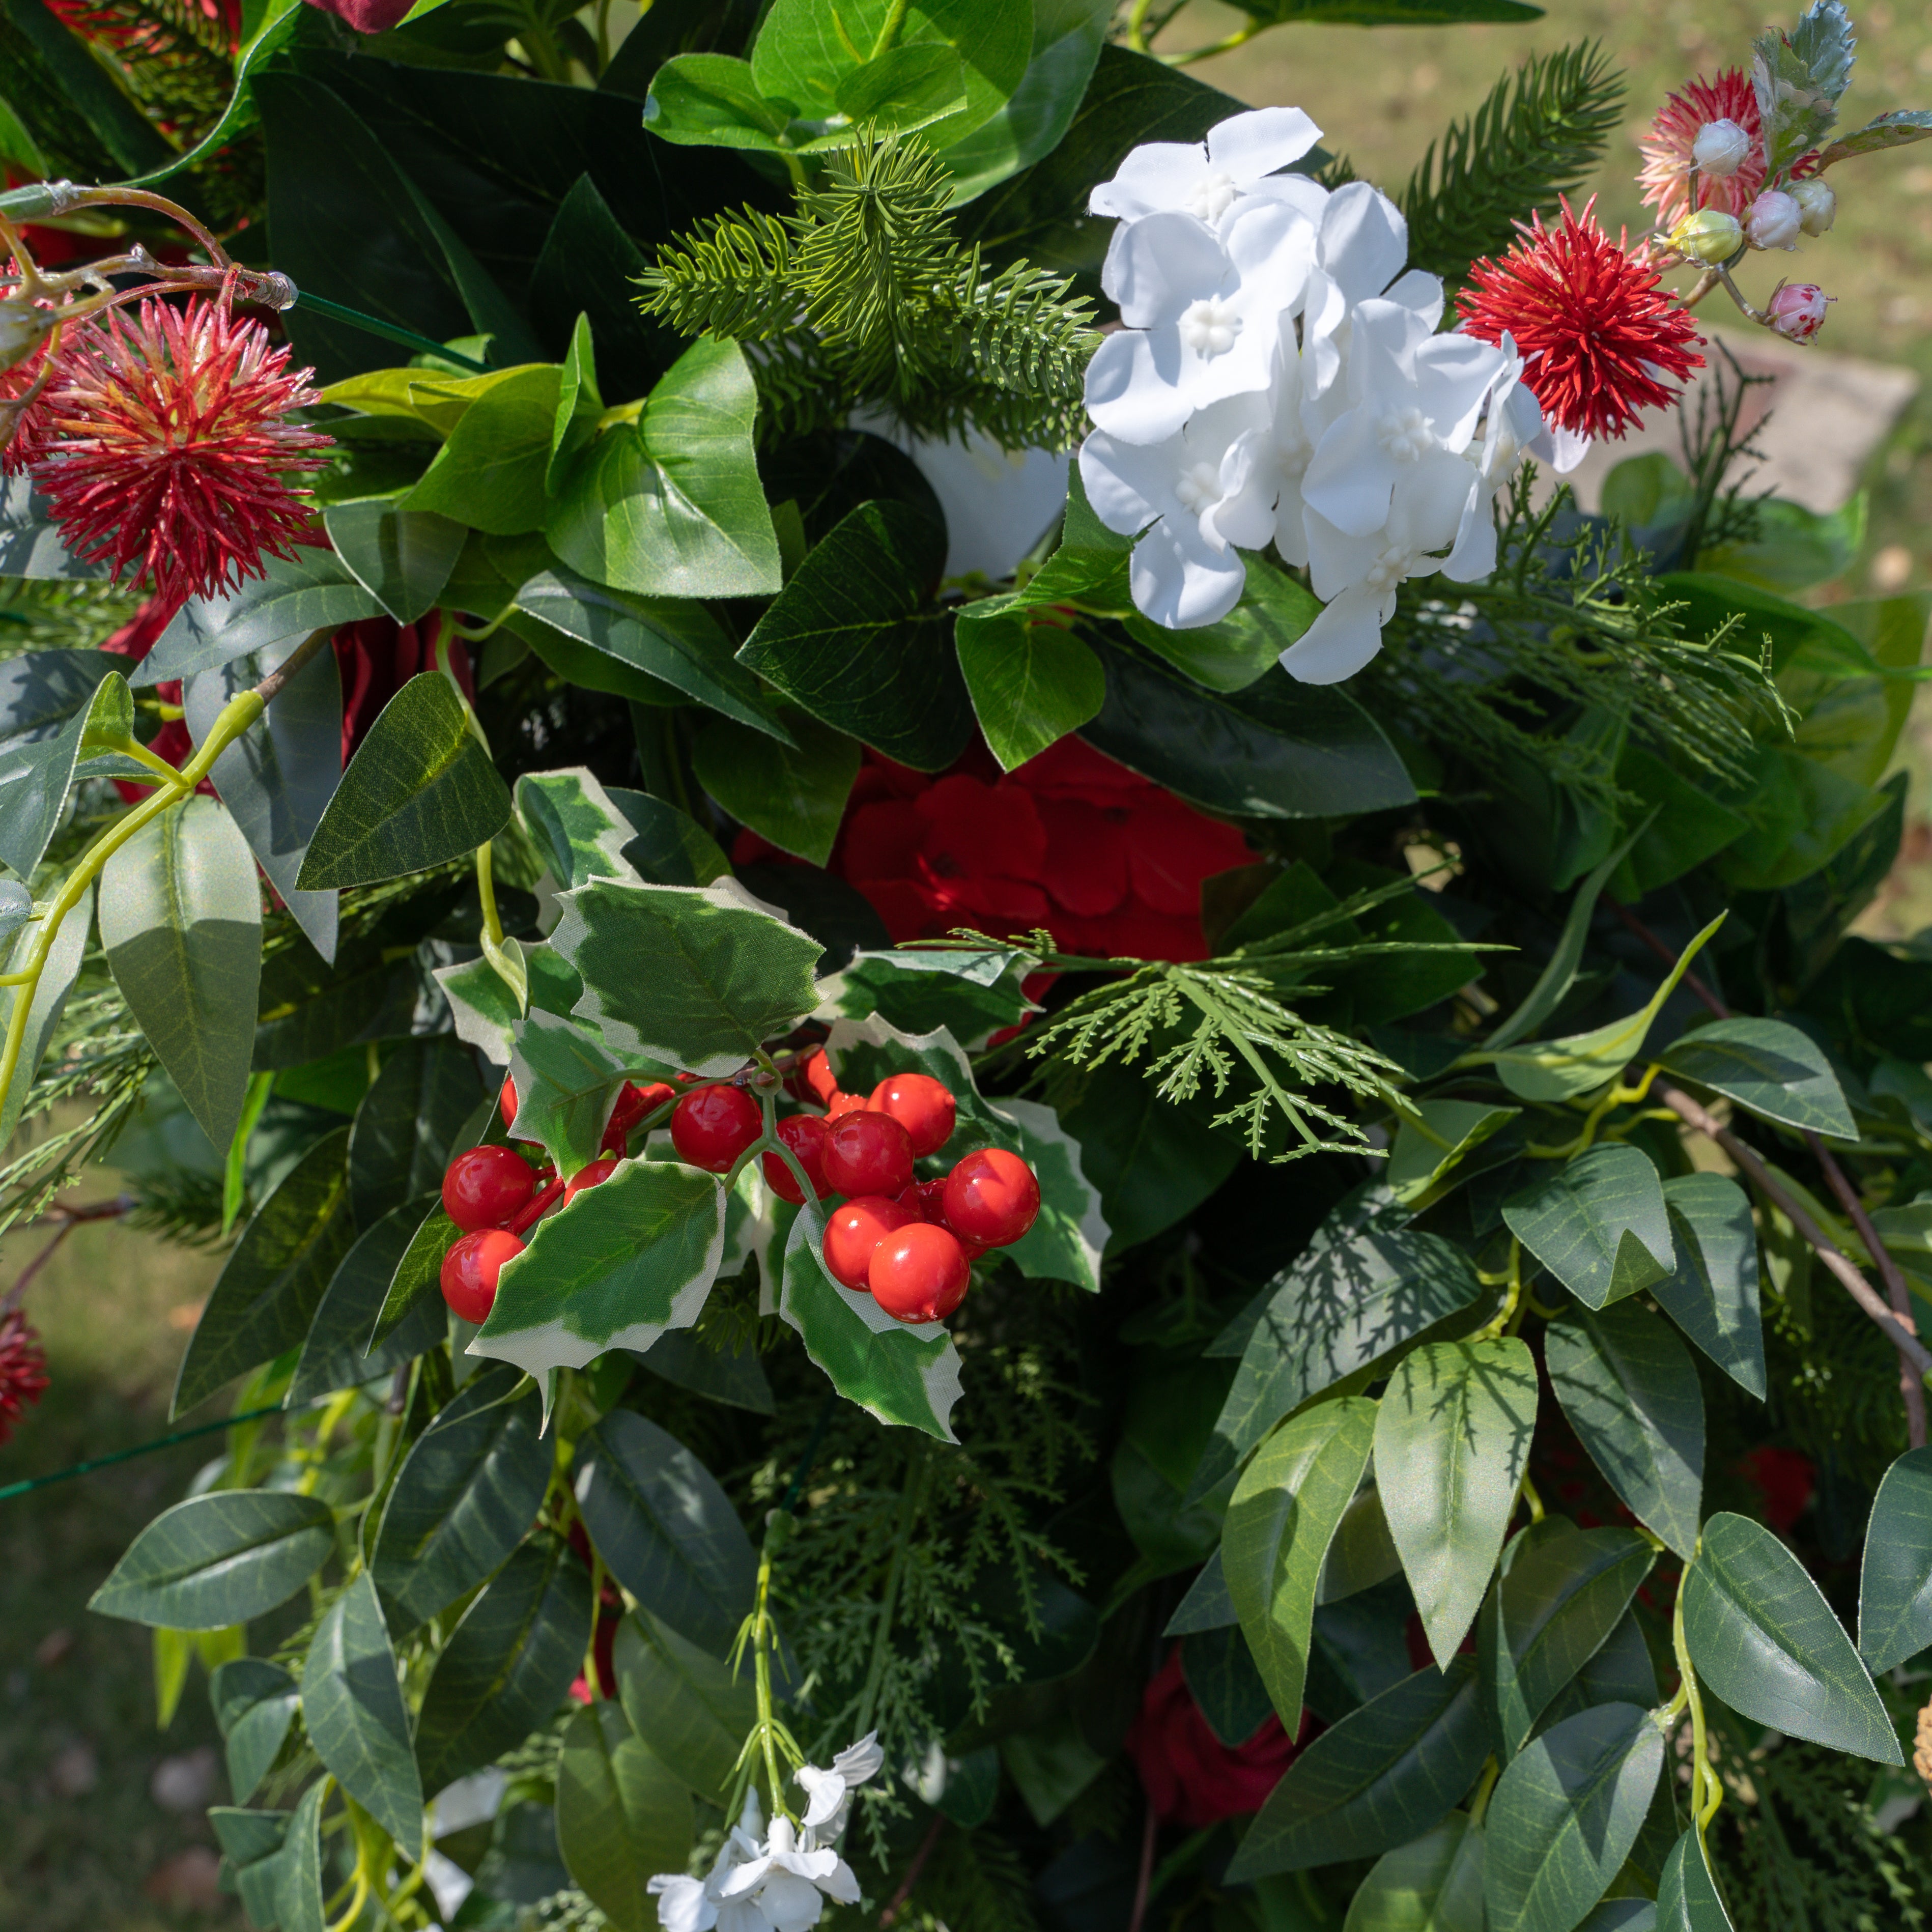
1817, 202
1720, 149
1775, 220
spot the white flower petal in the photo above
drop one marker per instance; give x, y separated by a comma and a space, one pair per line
742, 1915
1128, 397
825, 1790
1344, 638
1337, 558
791, 1903
1156, 267
1156, 175
1456, 374
1364, 240
1182, 583
1429, 499
1130, 483
842, 1883
1297, 191
1571, 447
857, 1763
1351, 475
1474, 554
682, 1906
1250, 145
1421, 291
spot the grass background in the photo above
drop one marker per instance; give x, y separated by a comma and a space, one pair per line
114, 1307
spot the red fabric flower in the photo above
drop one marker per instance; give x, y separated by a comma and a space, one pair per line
1786, 1479
376, 657
1192, 1779
366, 17
1600, 339
23, 1369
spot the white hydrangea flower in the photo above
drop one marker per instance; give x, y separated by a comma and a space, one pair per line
1204, 179
788, 1883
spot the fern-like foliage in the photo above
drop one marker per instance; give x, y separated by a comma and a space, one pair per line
1536, 137
173, 56
862, 296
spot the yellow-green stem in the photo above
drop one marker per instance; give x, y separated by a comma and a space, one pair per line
1703, 1778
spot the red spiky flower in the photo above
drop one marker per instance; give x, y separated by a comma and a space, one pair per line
1600, 339
162, 444
1666, 173
23, 1369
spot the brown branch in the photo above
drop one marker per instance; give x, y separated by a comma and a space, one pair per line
913, 1871
69, 1219
1144, 1883
271, 686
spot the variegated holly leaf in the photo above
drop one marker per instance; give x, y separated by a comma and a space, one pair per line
971, 994
691, 976
622, 1262
580, 833
484, 1009
1797, 78
1066, 1242
567, 1082
901, 1371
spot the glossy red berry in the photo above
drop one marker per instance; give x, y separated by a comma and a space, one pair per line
920, 1273
927, 1199
805, 1135
634, 1104
991, 1196
506, 1103
840, 1105
588, 1177
470, 1269
853, 1230
487, 1187
816, 1072
711, 1127
921, 1105
867, 1153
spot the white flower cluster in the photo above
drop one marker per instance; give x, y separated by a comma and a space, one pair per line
775, 1881
1279, 380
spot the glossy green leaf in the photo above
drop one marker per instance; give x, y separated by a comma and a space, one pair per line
46, 710
1687, 1899
794, 797
726, 975
616, 1266
1895, 1587
685, 1704
1388, 1771
353, 1711
1430, 1143
1712, 1294
1630, 1389
1455, 1421
335, 1353
58, 974
420, 791
314, 590
621, 1816
1565, 1816
255, 1703
855, 639
298, 1901
252, 1842
1280, 1520
466, 1494
508, 1664
665, 1528
219, 1559
1031, 682
711, 100
578, 826
274, 1280
1597, 1223
1768, 1067
403, 558
490, 475
1433, 1883
405, 1131
738, 1379
1226, 1688
417, 1274
668, 846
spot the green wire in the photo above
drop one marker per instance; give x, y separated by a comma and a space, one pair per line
391, 332
13, 1489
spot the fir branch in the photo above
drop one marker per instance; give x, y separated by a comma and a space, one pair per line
1533, 139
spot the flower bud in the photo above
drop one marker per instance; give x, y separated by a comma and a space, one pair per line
1720, 149
24, 326
1775, 220
1708, 236
1796, 309
1817, 204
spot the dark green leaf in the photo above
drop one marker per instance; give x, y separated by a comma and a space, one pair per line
335, 1354
667, 846
1687, 1900
1433, 1883
1246, 644
312, 591
738, 1380
1895, 1588
403, 558
46, 710
255, 1702
580, 288
353, 1711
621, 1816
1768, 1067
1206, 1605
1221, 1678
30, 544
1031, 682
685, 1704
1597, 1223
219, 1559
417, 1274
420, 791
58, 974
795, 798
1712, 1295
298, 1896
711, 100
405, 1130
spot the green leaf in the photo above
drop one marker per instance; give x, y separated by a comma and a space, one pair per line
1797, 78
578, 827
1031, 681
1281, 1518
1895, 129
314, 590
403, 558
711, 100
1688, 1898
1712, 1294
1390, 12
669, 505
621, 1816
491, 473
1768, 1067
508, 1664
1388, 1771
252, 1841
567, 1082
255, 1703
1455, 1421
219, 1559
466, 1494
972, 994
1273, 612
726, 975
665, 1530
58, 974
420, 791
1564, 1816
1433, 1883
1562, 1593
1762, 1637
405, 1131
46, 710
264, 32
417, 1275
902, 1372
1792, 548
273, 1281
1630, 1389
1598, 1223
1895, 1587
796, 797
668, 847
1222, 1679
30, 541
297, 1897
335, 1354
736, 1379
1436, 1138
685, 1704
855, 639
353, 1711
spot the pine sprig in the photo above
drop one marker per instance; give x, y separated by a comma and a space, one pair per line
1533, 139
863, 297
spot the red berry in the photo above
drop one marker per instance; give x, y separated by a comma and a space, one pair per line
840, 1105
470, 1269
926, 1199
991, 1196
805, 1135
588, 1177
853, 1230
867, 1153
816, 1072
711, 1127
633, 1102
486, 1187
920, 1273
921, 1105
506, 1102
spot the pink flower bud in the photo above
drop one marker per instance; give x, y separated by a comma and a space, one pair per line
1774, 221
1797, 310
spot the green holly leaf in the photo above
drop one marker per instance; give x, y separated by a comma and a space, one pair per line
1712, 1294
577, 825
621, 1816
567, 1082
1768, 1067
1598, 1223
220, 1559
485, 1011
417, 1275
972, 994
1898, 129
353, 1711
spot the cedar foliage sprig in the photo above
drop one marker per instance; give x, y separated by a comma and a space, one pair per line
862, 295
1534, 138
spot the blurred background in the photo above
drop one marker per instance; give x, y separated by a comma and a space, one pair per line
100, 1829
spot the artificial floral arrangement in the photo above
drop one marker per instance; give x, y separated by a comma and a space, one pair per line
1031, 1111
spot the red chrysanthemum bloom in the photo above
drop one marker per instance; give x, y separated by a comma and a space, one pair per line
1600, 339
23, 1369
162, 444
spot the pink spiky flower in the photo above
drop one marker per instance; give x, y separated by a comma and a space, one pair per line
1666, 173
23, 1369
162, 445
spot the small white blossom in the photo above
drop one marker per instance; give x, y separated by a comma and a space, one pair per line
829, 1793
1776, 221
1205, 179
1818, 204
789, 1882
1721, 148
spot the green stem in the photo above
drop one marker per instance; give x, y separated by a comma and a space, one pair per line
1137, 26
888, 28
486, 891
1703, 1779
882, 1635
1239, 37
